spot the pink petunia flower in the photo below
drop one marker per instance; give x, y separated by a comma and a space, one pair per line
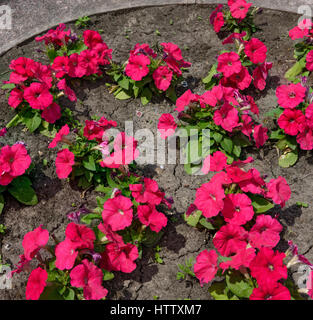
206, 266
216, 162
291, 121
143, 48
162, 77
81, 236
15, 98
119, 257
260, 135
64, 163
67, 90
125, 151
76, 68
14, 161
301, 30
64, 131
149, 216
254, 183
270, 290
66, 255
239, 9
290, 96
226, 117
3, 132
166, 125
88, 62
89, 277
256, 50
229, 239
184, 100
309, 61
260, 74
33, 241
92, 38
147, 193
241, 259
218, 22
230, 39
118, 213
229, 63
305, 138
265, 232
279, 191
240, 80
209, 199
268, 265
52, 113
237, 209
38, 96
61, 66
137, 67
36, 283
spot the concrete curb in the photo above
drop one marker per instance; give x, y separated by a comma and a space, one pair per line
32, 17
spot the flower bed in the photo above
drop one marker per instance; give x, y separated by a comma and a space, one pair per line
172, 179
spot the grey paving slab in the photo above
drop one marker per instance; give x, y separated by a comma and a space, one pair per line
31, 17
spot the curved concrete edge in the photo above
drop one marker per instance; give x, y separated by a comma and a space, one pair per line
33, 17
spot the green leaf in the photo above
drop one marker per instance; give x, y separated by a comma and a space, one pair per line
292, 142
51, 293
52, 54
21, 190
238, 285
1, 202
9, 86
210, 75
193, 219
260, 204
287, 160
31, 119
14, 121
296, 69
124, 83
89, 163
218, 290
204, 222
107, 275
146, 96
227, 145
217, 137
69, 294
122, 95
87, 218
78, 48
277, 134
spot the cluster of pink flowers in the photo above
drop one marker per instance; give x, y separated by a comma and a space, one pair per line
77, 254
143, 61
40, 85
14, 161
237, 76
250, 246
84, 274
238, 9
35, 86
88, 61
124, 150
230, 111
297, 117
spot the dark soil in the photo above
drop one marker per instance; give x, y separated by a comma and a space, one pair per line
200, 45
